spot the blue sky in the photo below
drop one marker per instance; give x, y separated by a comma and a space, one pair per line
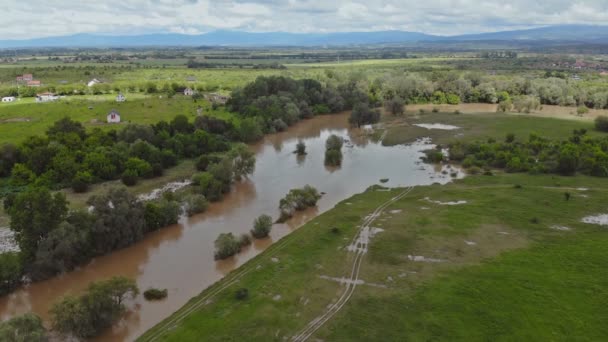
40, 18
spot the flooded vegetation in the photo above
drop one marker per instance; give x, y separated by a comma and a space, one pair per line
180, 258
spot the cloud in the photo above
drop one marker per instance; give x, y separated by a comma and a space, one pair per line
39, 18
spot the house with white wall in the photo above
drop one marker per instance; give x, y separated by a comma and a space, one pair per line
113, 116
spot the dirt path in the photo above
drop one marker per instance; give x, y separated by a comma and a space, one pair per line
360, 243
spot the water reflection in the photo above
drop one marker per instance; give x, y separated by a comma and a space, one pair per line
180, 258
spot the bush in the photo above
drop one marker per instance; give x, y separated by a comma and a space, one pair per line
195, 204
155, 294
298, 199
226, 245
333, 157
433, 156
11, 271
582, 110
129, 177
244, 240
601, 123
300, 148
241, 294
435, 110
81, 181
261, 226
95, 310
24, 328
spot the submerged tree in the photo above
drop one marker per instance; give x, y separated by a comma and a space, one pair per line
261, 227
333, 150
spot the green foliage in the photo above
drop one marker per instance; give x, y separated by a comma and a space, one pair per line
300, 148
23, 328
155, 294
298, 199
34, 213
81, 181
363, 115
395, 105
601, 123
226, 245
97, 309
195, 204
540, 155
241, 294
11, 271
582, 110
159, 214
118, 220
243, 161
333, 150
433, 156
261, 226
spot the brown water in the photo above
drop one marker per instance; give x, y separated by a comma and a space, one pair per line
180, 257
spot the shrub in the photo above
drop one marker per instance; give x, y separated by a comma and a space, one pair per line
300, 148
23, 328
582, 110
81, 181
155, 294
129, 177
10, 272
195, 204
601, 123
298, 199
95, 310
226, 245
435, 110
333, 157
433, 156
241, 294
244, 240
261, 227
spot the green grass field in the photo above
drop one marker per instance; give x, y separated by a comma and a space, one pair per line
26, 118
478, 126
521, 280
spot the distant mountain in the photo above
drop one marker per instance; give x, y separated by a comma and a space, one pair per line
579, 33
582, 33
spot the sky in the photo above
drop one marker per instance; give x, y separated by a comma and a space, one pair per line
22, 19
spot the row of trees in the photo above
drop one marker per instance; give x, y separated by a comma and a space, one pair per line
579, 153
68, 155
79, 317
453, 87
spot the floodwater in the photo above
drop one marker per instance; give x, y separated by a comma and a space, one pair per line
180, 257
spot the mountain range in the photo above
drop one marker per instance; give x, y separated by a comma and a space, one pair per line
566, 33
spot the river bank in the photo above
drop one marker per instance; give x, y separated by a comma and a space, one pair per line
430, 271
180, 257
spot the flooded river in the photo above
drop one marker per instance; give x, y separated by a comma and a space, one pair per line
180, 257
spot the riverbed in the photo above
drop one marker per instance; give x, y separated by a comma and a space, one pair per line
180, 257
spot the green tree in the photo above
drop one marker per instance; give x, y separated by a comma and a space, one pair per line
97, 309
243, 161
261, 226
24, 328
119, 220
34, 214
300, 148
395, 105
226, 245
363, 115
11, 271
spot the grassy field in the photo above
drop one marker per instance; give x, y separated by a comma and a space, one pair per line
477, 126
498, 270
23, 119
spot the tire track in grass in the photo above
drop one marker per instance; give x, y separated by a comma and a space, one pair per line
360, 242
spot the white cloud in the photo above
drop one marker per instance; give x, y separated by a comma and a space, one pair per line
39, 18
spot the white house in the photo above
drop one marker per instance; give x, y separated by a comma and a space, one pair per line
113, 117
188, 92
120, 98
93, 82
8, 99
46, 97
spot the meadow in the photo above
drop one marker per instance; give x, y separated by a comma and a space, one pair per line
501, 266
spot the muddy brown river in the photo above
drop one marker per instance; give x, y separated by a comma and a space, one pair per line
180, 257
